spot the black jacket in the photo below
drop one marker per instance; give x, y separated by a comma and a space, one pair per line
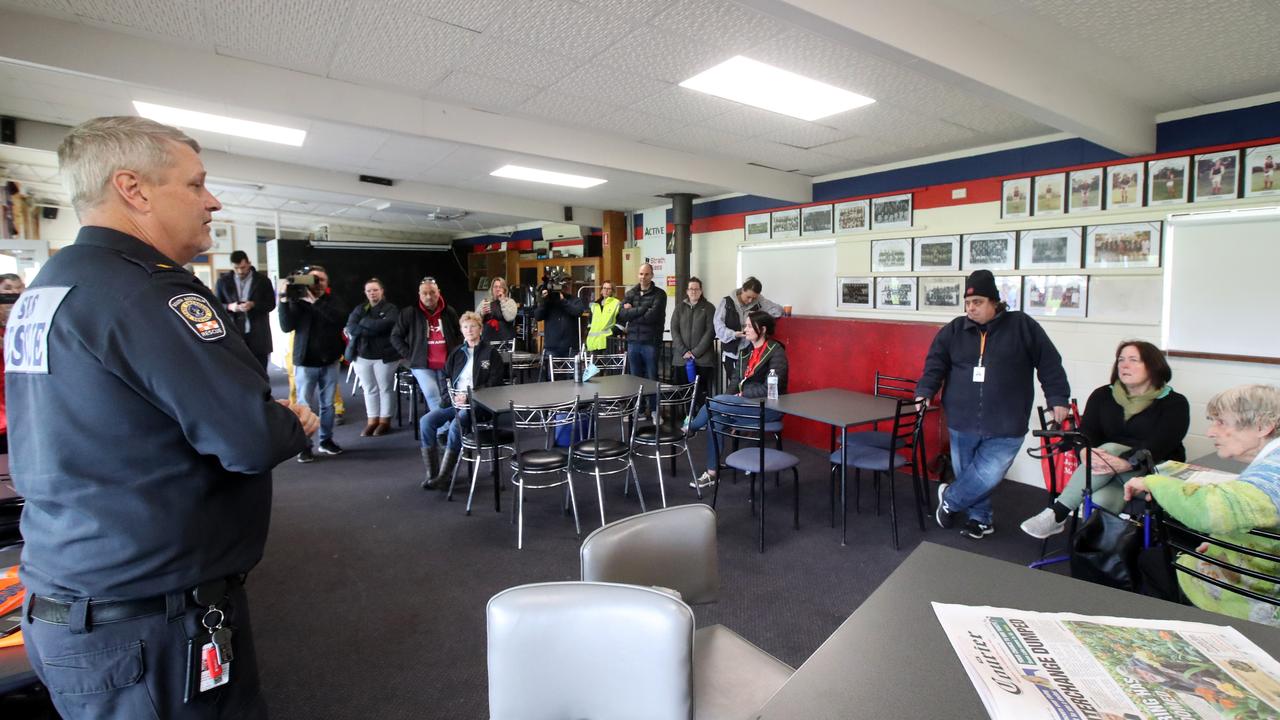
647, 315
1160, 428
756, 384
693, 330
1001, 405
488, 370
560, 314
318, 330
263, 297
369, 330
409, 336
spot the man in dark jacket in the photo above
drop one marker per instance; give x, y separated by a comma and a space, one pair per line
644, 310
559, 310
246, 294
473, 364
425, 333
986, 359
317, 318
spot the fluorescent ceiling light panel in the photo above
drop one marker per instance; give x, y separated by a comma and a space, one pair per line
754, 83
516, 172
221, 124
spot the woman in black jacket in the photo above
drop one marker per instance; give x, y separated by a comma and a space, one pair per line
369, 349
1137, 411
693, 337
761, 357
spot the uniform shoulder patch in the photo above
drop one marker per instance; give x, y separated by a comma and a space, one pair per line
196, 312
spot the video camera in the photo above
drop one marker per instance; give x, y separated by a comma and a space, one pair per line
555, 279
299, 284
9, 298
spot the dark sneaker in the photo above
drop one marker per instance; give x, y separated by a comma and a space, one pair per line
946, 519
977, 530
329, 447
305, 456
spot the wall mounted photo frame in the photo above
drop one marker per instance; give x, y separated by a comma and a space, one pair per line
891, 255
785, 224
1015, 198
1217, 176
1123, 245
896, 293
815, 221
757, 226
941, 294
484, 283
891, 212
1048, 192
1167, 180
1086, 190
1056, 295
1049, 249
1010, 287
853, 216
937, 253
990, 251
1262, 171
1125, 186
855, 293
220, 233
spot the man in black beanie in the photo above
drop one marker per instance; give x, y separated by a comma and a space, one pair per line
986, 359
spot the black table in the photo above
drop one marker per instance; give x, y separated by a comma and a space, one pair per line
891, 658
15, 669
841, 409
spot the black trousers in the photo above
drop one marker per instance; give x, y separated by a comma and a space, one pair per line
138, 669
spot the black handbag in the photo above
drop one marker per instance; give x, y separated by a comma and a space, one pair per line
1106, 547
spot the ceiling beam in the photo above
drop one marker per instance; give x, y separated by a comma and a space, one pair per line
197, 73
950, 45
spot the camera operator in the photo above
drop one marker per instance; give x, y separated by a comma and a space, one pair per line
307, 309
559, 310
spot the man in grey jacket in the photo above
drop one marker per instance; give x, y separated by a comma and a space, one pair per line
731, 317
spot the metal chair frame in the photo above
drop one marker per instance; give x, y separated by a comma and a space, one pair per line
545, 418
473, 451
1173, 534
610, 363
906, 436
621, 407
406, 384
727, 421
519, 370
560, 368
679, 398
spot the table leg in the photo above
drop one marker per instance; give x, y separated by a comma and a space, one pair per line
494, 469
844, 476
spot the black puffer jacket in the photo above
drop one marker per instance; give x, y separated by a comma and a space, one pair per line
756, 383
370, 331
559, 314
647, 315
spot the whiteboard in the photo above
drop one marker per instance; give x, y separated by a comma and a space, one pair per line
802, 275
1221, 288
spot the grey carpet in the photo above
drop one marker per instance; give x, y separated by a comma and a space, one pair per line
370, 601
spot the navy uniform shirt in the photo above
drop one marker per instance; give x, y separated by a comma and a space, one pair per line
141, 428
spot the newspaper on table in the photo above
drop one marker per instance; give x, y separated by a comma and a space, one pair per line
1028, 665
1194, 473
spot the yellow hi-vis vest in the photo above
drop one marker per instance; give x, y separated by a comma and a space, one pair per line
602, 320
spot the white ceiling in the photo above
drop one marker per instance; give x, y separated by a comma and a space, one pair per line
438, 93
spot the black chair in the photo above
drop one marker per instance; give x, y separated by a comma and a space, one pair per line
890, 386
728, 420
406, 386
523, 365
661, 442
485, 442
546, 462
598, 456
903, 450
1053, 453
1176, 537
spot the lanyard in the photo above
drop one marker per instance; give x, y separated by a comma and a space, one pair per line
982, 347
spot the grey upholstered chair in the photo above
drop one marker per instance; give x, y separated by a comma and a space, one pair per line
675, 548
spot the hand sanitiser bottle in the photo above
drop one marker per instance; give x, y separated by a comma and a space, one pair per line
773, 384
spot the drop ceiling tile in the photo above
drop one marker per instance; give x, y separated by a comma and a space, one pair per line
697, 139
49, 6
340, 144
386, 46
177, 19
845, 67
562, 106
901, 126
688, 106
635, 124
609, 85
806, 135
868, 150
663, 55
718, 22
750, 122
510, 61
475, 15
560, 26
479, 91
777, 156
276, 33
635, 10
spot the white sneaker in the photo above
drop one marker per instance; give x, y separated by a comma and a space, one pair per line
706, 479
1042, 525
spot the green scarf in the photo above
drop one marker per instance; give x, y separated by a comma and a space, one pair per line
1134, 404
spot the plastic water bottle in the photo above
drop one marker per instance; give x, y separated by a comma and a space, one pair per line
690, 369
773, 384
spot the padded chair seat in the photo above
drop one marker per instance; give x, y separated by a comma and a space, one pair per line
665, 435
731, 677
609, 449
870, 438
504, 435
540, 460
748, 460
870, 458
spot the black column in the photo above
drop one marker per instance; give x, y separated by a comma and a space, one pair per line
682, 218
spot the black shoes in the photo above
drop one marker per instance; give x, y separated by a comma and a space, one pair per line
946, 519
328, 447
305, 456
977, 530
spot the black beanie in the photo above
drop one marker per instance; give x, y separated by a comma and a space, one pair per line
981, 283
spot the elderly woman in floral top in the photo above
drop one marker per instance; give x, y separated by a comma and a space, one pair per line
1244, 425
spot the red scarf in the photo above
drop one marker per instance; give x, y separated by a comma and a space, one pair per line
756, 353
436, 350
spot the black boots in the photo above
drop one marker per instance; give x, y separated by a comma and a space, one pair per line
446, 470
431, 465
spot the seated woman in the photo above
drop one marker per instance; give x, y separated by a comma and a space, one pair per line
473, 364
761, 356
1244, 424
1137, 411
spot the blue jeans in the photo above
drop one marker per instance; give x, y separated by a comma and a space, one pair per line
642, 361
702, 419
323, 380
980, 464
432, 422
429, 381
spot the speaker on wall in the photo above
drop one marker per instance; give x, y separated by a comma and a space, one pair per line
49, 213
8, 131
568, 213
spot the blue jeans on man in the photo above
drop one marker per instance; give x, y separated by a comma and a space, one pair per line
642, 361
324, 380
980, 463
429, 382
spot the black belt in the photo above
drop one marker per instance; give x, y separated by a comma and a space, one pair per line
56, 612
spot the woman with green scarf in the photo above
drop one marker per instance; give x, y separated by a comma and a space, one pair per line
1137, 411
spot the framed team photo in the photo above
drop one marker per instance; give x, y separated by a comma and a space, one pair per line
891, 212
939, 252
891, 255
855, 293
1217, 176
1015, 198
1167, 180
896, 293
1056, 295
757, 226
1261, 174
1086, 190
1010, 287
1125, 185
1048, 194
941, 294
1124, 245
786, 224
815, 221
1048, 249
990, 251
853, 216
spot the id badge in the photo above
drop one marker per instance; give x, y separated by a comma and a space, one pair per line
980, 374
200, 676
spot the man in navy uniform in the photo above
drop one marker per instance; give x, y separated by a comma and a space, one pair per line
143, 438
